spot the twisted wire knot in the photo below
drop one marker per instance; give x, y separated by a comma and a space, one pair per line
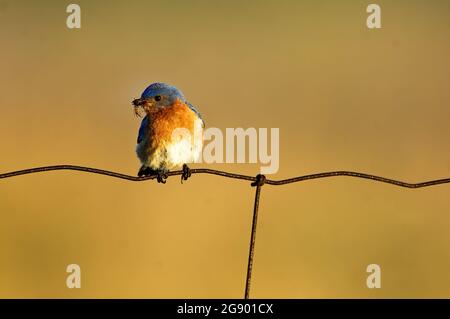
260, 180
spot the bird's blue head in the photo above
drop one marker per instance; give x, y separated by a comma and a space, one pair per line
162, 90
157, 95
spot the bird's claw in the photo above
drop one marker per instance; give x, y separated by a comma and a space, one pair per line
186, 173
144, 171
161, 177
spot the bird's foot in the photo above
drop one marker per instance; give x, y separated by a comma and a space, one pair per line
161, 175
145, 171
186, 173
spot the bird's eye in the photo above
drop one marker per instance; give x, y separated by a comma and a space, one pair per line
157, 97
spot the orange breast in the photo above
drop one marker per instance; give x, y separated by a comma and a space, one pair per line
165, 121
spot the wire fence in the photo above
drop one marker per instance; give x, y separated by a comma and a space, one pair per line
257, 181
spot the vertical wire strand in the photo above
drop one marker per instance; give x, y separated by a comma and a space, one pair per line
260, 179
252, 242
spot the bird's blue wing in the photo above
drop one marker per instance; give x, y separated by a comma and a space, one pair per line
143, 129
196, 112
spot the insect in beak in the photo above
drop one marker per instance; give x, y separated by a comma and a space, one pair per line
137, 104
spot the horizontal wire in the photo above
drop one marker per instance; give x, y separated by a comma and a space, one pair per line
226, 174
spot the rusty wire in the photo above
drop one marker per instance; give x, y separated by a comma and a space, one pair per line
260, 180
257, 181
226, 174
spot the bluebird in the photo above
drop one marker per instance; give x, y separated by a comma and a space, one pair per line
159, 148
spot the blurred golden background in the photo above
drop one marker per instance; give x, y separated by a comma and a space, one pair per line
344, 97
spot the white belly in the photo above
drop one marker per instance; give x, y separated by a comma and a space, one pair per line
181, 150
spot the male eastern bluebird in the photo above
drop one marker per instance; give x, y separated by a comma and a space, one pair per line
158, 148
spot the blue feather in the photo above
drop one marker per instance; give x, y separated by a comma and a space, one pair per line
143, 129
195, 111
